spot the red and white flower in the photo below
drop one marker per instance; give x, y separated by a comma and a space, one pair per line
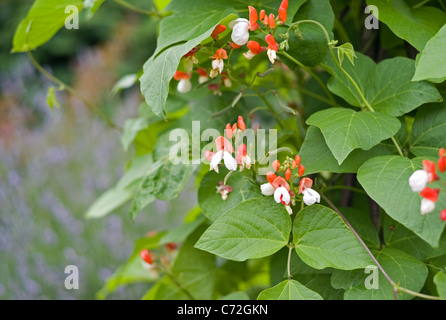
224, 190
430, 197
217, 62
242, 157
254, 49
224, 152
278, 187
272, 48
240, 31
419, 179
148, 259
310, 196
202, 75
184, 84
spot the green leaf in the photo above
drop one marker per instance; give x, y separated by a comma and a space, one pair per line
125, 82
194, 271
385, 179
131, 129
399, 237
92, 6
415, 25
387, 86
191, 21
322, 239
309, 45
317, 157
253, 229
440, 282
180, 233
159, 70
428, 133
109, 201
347, 50
321, 283
431, 64
51, 97
211, 203
345, 130
42, 22
289, 290
403, 269
164, 181
238, 295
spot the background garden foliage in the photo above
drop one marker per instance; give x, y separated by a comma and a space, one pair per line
361, 127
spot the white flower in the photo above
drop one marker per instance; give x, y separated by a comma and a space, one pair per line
271, 55
218, 64
230, 162
281, 195
202, 79
240, 31
289, 210
184, 85
249, 55
311, 196
267, 189
427, 206
418, 180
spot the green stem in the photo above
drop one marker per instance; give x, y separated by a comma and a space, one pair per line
133, 8
269, 106
311, 73
395, 286
72, 91
288, 265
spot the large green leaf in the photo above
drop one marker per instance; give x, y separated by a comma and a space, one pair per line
42, 22
387, 86
399, 237
289, 290
440, 281
317, 157
428, 133
211, 203
431, 64
322, 240
311, 47
415, 25
253, 229
164, 181
345, 130
194, 271
403, 269
385, 179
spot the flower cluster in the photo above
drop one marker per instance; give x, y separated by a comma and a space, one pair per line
239, 36
420, 178
285, 192
225, 149
241, 27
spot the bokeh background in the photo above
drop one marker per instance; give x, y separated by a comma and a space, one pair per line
55, 163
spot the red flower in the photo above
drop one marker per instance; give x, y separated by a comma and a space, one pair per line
218, 29
252, 18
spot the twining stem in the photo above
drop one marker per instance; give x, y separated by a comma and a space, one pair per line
175, 282
288, 265
395, 286
311, 73
358, 89
71, 90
